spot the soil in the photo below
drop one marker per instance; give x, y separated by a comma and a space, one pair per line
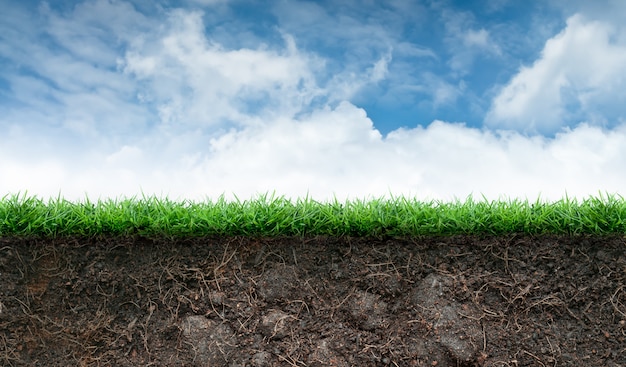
455, 301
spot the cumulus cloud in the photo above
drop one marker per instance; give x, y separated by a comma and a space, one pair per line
337, 152
581, 71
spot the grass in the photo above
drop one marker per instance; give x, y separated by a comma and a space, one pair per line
22, 215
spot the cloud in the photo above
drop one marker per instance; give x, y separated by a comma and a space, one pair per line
365, 49
207, 2
380, 69
114, 106
464, 41
478, 38
196, 82
580, 76
64, 86
337, 152
496, 5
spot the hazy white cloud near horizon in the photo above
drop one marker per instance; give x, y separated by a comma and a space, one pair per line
428, 99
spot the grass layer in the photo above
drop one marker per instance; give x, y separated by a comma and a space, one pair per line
22, 215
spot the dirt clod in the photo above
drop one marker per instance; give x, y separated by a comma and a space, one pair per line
211, 342
368, 310
454, 325
276, 324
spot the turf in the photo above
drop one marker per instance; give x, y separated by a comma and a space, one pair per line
398, 282
267, 215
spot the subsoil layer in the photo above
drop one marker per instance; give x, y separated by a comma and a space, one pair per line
433, 301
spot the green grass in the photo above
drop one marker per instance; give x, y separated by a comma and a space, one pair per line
22, 215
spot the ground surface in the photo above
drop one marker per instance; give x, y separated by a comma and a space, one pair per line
458, 301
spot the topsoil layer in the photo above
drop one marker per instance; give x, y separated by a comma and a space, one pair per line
433, 301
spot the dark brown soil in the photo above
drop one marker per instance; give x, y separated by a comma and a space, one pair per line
448, 301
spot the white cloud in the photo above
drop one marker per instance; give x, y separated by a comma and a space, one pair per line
338, 152
580, 69
195, 81
444, 93
362, 51
480, 39
65, 89
465, 42
380, 69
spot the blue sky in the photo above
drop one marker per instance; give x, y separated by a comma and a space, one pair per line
347, 99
